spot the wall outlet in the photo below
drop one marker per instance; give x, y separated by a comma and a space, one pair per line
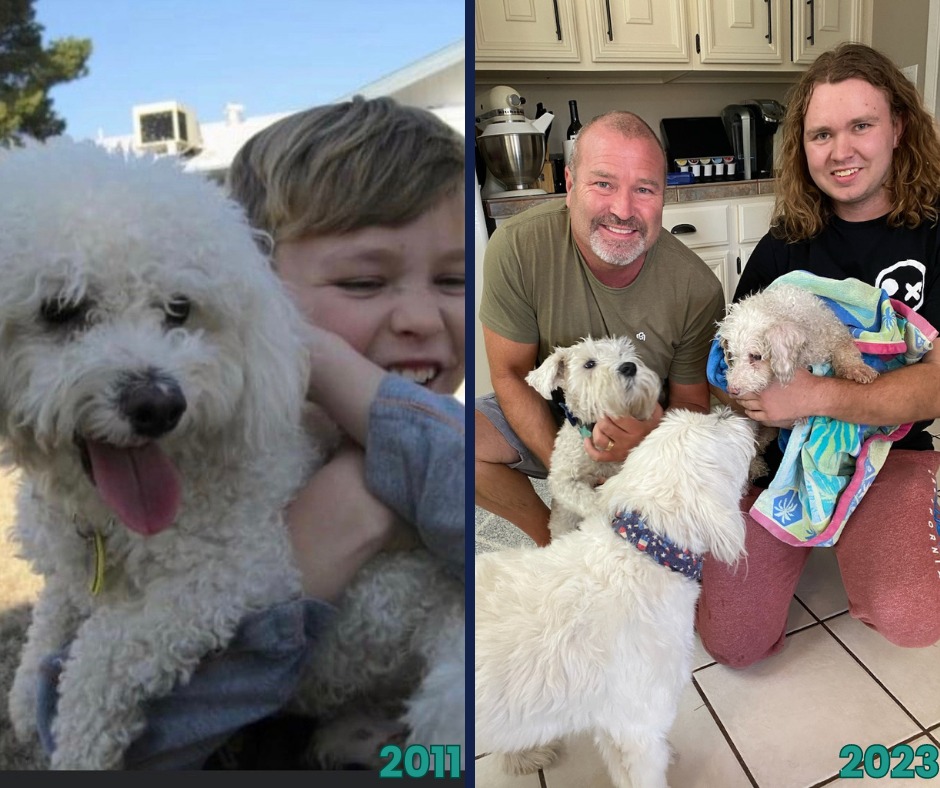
910, 72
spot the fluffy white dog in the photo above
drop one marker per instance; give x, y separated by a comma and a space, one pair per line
599, 377
769, 334
592, 633
152, 380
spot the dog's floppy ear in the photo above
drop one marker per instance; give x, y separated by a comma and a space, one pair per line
549, 375
784, 341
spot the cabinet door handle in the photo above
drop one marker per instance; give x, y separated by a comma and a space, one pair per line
812, 22
610, 27
557, 20
770, 22
739, 265
682, 229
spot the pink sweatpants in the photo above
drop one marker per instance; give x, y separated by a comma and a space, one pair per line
889, 558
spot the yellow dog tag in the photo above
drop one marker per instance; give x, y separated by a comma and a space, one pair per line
97, 574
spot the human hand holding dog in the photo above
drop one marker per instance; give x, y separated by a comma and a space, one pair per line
781, 406
336, 525
613, 439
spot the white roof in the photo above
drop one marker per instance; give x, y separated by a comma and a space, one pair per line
222, 139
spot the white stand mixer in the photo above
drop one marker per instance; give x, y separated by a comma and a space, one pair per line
512, 146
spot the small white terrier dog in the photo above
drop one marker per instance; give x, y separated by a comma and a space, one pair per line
591, 633
769, 334
153, 375
599, 377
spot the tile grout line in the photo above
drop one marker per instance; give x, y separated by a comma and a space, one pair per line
724, 732
923, 728
542, 782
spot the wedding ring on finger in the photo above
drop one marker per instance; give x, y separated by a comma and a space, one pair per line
610, 444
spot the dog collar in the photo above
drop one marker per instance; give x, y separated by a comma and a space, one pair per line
574, 421
632, 527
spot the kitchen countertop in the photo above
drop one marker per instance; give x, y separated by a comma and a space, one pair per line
510, 206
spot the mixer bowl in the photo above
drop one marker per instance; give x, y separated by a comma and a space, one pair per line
516, 159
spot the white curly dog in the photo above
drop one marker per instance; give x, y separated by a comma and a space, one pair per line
152, 383
599, 377
592, 633
768, 335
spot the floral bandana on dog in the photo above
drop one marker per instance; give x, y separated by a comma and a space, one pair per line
632, 527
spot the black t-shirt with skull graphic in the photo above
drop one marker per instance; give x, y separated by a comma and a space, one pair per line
902, 261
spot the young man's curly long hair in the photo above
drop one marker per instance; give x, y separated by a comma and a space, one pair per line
802, 210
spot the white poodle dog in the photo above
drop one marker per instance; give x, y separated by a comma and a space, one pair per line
152, 381
595, 631
599, 377
769, 334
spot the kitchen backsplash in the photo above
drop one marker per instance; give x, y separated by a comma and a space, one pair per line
651, 102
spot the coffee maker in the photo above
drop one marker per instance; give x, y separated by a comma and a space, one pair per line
751, 126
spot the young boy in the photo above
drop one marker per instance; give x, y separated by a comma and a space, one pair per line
364, 205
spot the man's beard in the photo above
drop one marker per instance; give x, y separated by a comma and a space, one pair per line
616, 252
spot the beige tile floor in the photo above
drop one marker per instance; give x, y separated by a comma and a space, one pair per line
781, 723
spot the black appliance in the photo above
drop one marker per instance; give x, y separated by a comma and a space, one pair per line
694, 138
751, 126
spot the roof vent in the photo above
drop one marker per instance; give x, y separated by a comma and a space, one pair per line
234, 114
166, 127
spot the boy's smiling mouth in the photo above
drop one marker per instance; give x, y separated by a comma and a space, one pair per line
422, 374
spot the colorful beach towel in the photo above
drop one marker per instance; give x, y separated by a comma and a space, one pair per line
828, 465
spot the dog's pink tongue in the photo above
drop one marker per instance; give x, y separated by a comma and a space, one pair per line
140, 484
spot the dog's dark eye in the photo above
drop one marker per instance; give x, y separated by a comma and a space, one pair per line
754, 357
60, 312
590, 364
177, 310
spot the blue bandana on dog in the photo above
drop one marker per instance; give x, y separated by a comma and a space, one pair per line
632, 527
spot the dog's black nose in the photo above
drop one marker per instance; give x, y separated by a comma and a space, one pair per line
152, 403
627, 369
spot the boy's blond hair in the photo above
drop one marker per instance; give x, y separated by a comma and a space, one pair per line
340, 167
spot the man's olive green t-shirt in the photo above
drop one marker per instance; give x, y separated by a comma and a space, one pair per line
537, 289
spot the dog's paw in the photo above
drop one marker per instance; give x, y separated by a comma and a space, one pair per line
757, 469
23, 707
529, 761
355, 740
860, 373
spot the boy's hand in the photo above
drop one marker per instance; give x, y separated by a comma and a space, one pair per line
336, 525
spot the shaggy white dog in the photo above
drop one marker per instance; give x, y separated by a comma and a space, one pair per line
599, 377
591, 633
769, 334
152, 380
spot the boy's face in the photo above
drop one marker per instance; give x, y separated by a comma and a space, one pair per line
396, 294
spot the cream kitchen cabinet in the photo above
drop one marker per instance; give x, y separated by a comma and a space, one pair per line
819, 25
639, 31
526, 31
706, 228
777, 35
744, 32
668, 36
722, 232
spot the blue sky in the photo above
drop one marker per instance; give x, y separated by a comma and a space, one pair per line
269, 55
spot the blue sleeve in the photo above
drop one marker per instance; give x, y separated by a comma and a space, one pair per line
415, 463
253, 677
